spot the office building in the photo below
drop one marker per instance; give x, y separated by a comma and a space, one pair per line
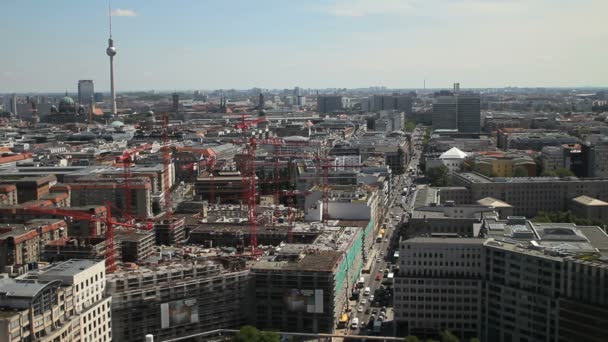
469, 112
589, 208
457, 111
63, 302
439, 286
329, 104
544, 282
445, 112
529, 195
86, 92
377, 103
503, 164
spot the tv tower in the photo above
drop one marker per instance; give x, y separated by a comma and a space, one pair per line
111, 51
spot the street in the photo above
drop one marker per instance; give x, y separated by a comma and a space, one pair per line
401, 201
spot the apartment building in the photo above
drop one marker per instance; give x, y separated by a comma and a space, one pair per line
439, 286
22, 244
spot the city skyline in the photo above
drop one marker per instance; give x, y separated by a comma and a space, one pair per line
318, 44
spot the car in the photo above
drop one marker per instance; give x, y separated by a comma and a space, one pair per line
381, 252
363, 301
383, 309
374, 312
378, 259
371, 298
379, 276
360, 309
367, 310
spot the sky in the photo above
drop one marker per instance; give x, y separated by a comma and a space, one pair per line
47, 46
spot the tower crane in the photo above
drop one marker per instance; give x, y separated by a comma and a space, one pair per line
84, 216
126, 159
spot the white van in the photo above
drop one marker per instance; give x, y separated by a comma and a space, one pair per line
367, 291
355, 323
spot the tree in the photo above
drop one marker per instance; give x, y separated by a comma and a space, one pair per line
409, 126
439, 176
520, 172
250, 333
474, 339
447, 336
411, 339
563, 172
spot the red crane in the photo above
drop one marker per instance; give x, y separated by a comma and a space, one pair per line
126, 159
84, 216
244, 124
250, 192
249, 176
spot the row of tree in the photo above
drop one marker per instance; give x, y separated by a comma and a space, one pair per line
563, 217
444, 336
250, 333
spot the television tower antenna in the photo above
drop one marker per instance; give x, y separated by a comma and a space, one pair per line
111, 52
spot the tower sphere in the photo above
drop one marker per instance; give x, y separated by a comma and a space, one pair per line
111, 51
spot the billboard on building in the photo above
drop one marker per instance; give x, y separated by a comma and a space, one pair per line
179, 312
310, 301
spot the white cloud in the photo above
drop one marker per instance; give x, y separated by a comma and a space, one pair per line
121, 12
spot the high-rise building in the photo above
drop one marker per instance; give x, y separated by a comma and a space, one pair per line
445, 112
13, 104
397, 102
458, 110
86, 91
328, 104
469, 112
175, 102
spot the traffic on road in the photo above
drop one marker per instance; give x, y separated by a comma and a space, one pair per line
371, 298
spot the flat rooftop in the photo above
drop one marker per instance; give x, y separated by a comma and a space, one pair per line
67, 268
447, 240
314, 261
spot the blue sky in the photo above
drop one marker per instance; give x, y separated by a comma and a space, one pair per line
204, 44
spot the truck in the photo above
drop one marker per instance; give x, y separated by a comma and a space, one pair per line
361, 282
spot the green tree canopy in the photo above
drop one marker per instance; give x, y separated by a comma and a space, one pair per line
409, 126
563, 217
520, 172
411, 339
561, 172
474, 339
447, 336
439, 176
250, 333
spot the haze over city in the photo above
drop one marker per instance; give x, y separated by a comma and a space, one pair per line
170, 45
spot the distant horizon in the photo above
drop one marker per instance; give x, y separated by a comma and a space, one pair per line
387, 89
193, 44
